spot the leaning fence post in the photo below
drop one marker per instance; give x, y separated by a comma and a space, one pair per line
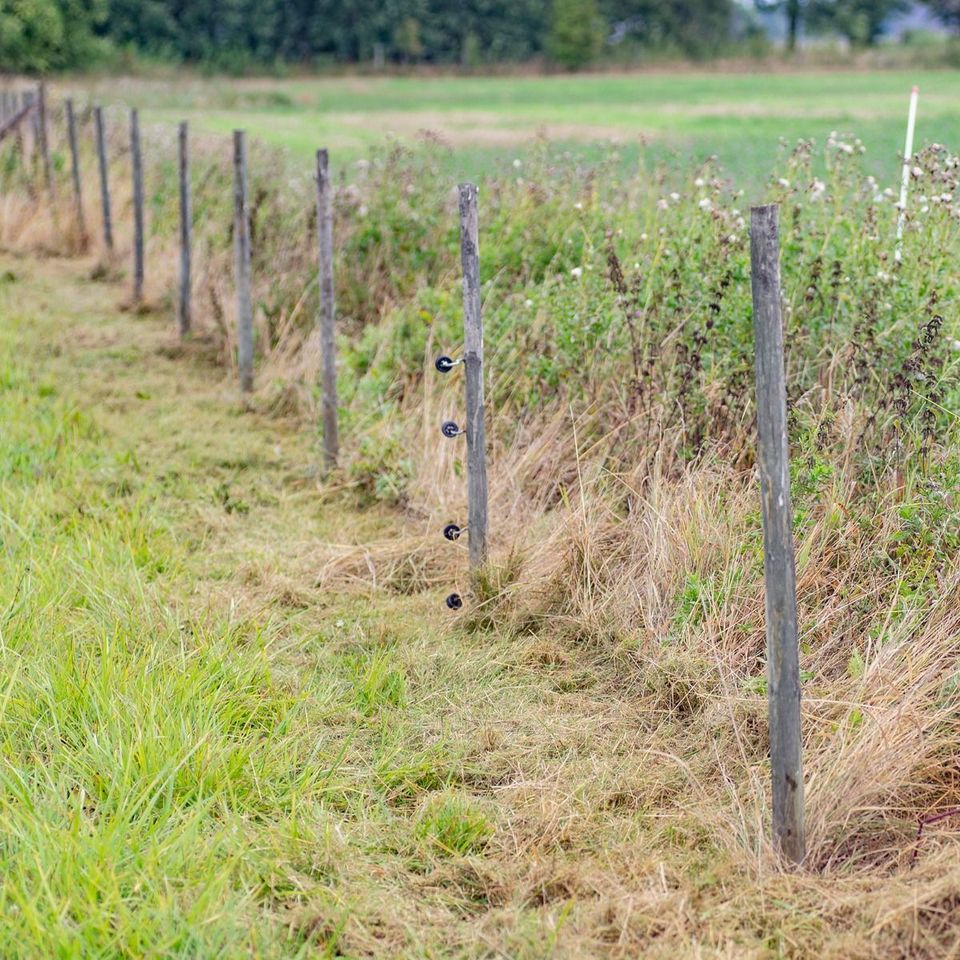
104, 177
473, 363
44, 141
328, 343
186, 223
137, 164
75, 171
783, 668
241, 240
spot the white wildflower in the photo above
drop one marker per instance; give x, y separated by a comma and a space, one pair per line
576, 272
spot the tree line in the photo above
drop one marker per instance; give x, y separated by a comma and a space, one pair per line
47, 35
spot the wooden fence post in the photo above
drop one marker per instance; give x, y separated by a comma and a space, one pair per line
28, 98
783, 667
44, 140
328, 342
75, 171
186, 224
241, 240
137, 164
104, 177
473, 363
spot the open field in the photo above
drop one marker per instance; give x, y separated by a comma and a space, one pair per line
490, 120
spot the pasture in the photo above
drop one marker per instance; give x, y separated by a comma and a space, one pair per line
488, 121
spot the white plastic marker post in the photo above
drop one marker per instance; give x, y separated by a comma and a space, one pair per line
905, 178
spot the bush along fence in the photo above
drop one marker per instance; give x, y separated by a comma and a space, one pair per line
677, 324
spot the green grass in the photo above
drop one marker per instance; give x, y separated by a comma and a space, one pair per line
490, 121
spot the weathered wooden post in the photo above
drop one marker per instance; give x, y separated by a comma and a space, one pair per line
328, 342
137, 164
241, 241
783, 668
28, 98
473, 363
44, 140
75, 173
103, 163
186, 224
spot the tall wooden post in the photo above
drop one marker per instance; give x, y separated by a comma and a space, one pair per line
328, 342
75, 173
44, 140
186, 225
783, 667
137, 165
241, 240
103, 164
473, 364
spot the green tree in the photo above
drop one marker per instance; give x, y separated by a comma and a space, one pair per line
860, 21
695, 28
795, 11
31, 33
406, 38
947, 12
576, 33
41, 35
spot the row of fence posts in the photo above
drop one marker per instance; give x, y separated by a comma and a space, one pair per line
17, 107
783, 673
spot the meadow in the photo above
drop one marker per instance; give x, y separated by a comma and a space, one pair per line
238, 719
676, 115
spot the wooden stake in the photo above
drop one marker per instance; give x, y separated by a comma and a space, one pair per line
137, 163
328, 341
104, 178
186, 225
75, 172
44, 141
241, 239
29, 99
783, 668
473, 364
